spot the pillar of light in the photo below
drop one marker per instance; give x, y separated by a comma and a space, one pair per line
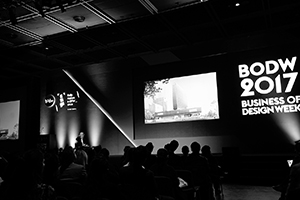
45, 122
73, 129
61, 130
289, 123
100, 107
94, 121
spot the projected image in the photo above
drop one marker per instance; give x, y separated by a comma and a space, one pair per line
60, 100
9, 120
184, 98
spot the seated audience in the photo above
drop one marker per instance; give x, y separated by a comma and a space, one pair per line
25, 180
103, 179
81, 157
162, 168
3, 167
68, 170
199, 167
137, 182
174, 159
214, 168
150, 158
185, 153
51, 166
124, 158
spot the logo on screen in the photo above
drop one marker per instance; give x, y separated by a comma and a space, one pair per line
273, 77
50, 100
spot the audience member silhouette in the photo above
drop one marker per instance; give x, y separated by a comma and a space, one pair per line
81, 157
92, 153
51, 166
199, 167
162, 168
68, 170
137, 182
185, 153
26, 177
174, 159
104, 152
3, 166
214, 168
185, 150
125, 157
150, 158
103, 179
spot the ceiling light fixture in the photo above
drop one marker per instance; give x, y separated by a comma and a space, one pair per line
99, 13
25, 32
149, 6
61, 24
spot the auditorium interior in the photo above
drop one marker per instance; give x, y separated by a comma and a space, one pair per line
71, 66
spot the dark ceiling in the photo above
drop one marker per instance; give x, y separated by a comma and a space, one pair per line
38, 36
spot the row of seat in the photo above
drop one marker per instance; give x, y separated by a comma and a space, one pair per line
74, 190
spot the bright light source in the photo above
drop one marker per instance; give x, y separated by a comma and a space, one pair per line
237, 4
61, 130
73, 129
95, 125
289, 123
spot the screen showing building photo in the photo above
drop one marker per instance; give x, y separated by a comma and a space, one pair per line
183, 98
9, 120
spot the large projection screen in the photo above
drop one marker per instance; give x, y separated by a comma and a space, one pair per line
185, 98
9, 120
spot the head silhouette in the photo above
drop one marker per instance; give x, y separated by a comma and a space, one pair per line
162, 155
185, 150
195, 147
149, 147
139, 155
174, 145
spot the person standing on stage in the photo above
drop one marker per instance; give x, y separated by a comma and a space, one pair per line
80, 140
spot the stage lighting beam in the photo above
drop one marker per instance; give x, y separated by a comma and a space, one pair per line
290, 125
95, 125
100, 107
61, 130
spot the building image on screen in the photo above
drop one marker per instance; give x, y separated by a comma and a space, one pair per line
185, 98
9, 120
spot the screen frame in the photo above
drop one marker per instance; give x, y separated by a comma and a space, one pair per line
187, 111
170, 70
13, 136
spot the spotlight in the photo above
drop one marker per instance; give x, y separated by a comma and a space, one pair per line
79, 18
290, 125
